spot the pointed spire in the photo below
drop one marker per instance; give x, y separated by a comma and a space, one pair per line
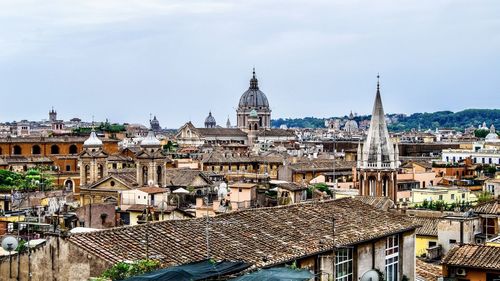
378, 82
378, 147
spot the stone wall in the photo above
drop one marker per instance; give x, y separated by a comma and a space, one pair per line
56, 260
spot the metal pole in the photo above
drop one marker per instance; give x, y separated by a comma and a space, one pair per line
29, 248
18, 239
10, 264
147, 232
206, 231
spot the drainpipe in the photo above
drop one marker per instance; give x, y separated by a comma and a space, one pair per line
373, 255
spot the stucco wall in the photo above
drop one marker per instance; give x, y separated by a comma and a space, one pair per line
407, 256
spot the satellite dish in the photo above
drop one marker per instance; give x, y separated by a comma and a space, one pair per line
370, 275
9, 243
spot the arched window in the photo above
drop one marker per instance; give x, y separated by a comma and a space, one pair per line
36, 150
372, 186
100, 172
54, 149
87, 174
68, 184
17, 150
145, 175
255, 127
73, 149
385, 185
159, 175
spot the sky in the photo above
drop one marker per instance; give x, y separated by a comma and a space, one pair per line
126, 59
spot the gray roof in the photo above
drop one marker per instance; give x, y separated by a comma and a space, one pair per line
210, 118
253, 97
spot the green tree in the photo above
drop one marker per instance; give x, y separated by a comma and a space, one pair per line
484, 196
124, 270
323, 187
481, 133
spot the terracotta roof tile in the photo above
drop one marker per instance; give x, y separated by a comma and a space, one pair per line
427, 271
474, 256
276, 235
429, 225
491, 207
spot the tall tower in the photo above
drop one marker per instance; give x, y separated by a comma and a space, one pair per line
253, 99
52, 115
92, 160
378, 158
151, 162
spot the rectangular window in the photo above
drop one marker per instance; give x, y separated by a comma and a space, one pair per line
453, 197
343, 264
432, 244
453, 241
440, 197
392, 258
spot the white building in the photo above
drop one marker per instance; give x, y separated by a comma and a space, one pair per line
478, 154
152, 196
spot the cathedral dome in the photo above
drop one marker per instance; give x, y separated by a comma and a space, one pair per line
210, 121
155, 124
351, 126
93, 140
150, 140
253, 97
492, 136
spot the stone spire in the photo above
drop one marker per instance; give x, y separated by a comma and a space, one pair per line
378, 150
228, 123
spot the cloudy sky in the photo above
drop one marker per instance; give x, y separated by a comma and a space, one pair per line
125, 59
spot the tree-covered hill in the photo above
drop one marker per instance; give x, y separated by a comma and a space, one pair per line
440, 119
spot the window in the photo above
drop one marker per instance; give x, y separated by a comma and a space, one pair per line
73, 149
440, 197
36, 150
488, 227
54, 149
392, 258
68, 168
17, 150
452, 241
432, 244
463, 195
453, 197
343, 264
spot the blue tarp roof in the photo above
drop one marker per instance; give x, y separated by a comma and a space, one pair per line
192, 271
277, 274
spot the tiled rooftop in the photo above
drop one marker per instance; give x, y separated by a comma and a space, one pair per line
429, 225
491, 208
264, 236
474, 256
427, 271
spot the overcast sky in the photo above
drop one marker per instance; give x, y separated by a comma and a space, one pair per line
125, 59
